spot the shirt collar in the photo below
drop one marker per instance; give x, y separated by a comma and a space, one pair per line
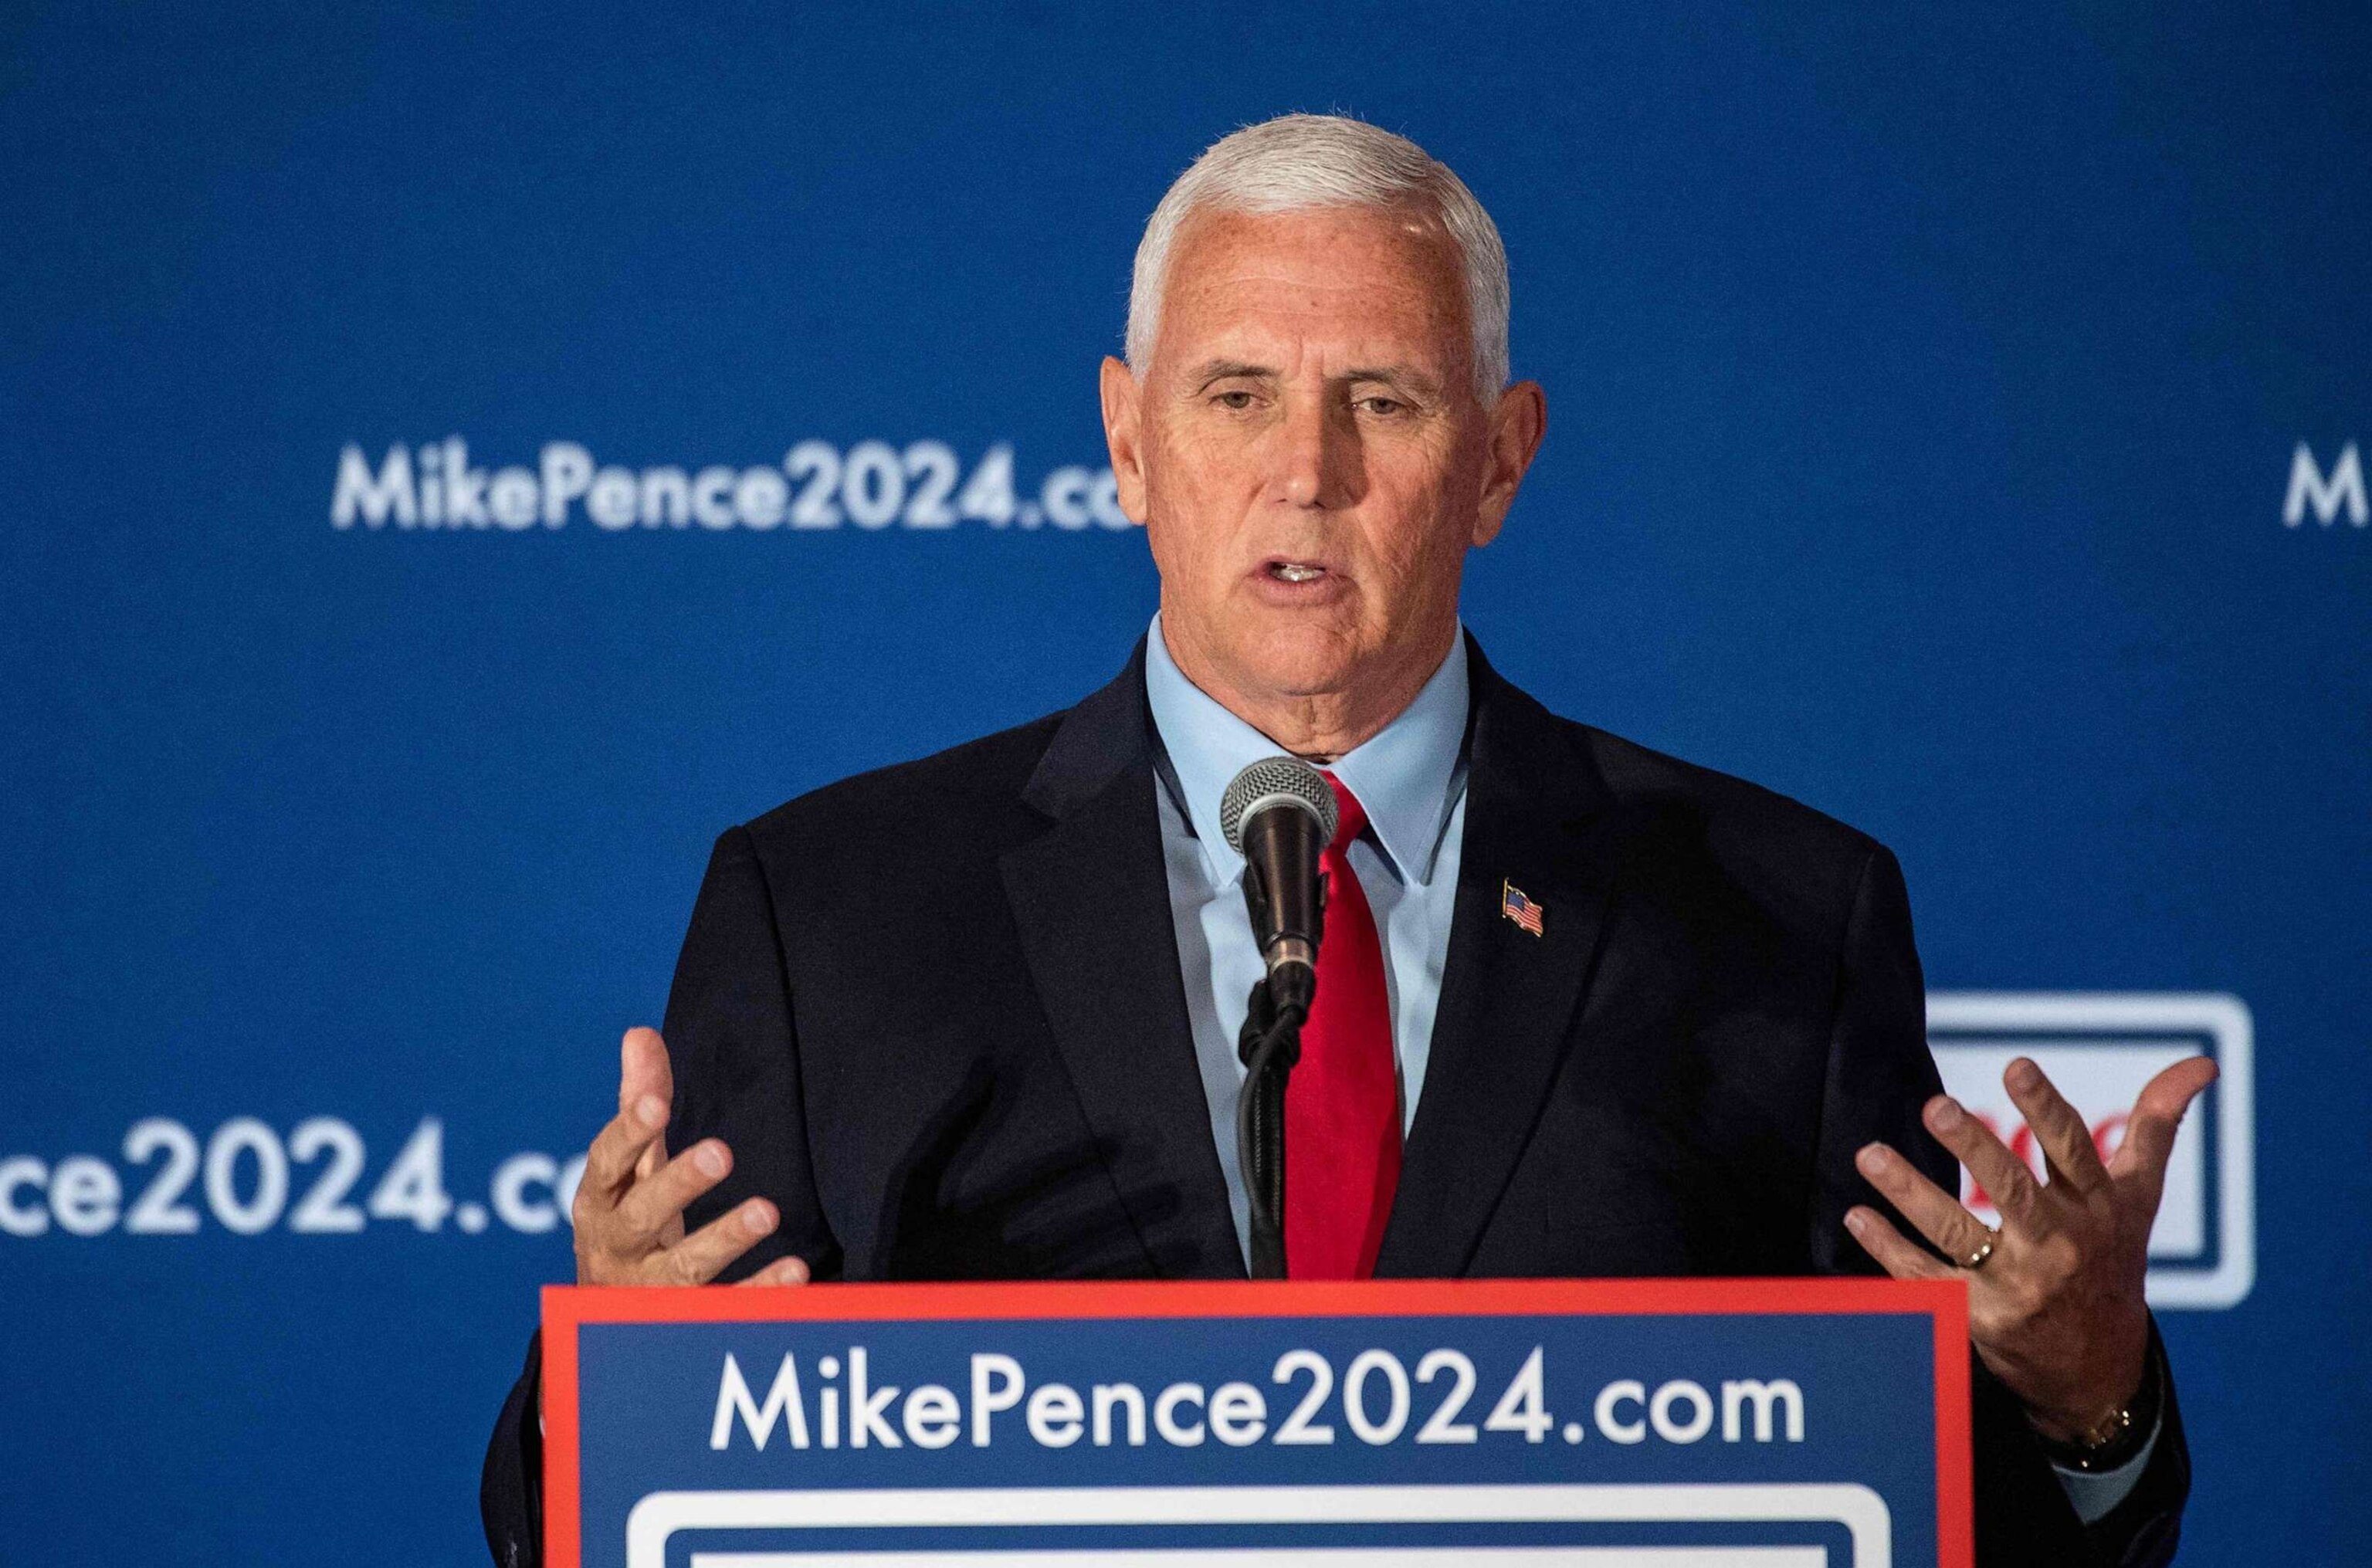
1406, 774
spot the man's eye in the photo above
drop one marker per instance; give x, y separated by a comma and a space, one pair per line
1236, 401
1382, 406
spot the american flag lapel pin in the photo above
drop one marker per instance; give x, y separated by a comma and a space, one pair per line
1519, 909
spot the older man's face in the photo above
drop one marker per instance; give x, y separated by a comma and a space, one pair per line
1307, 453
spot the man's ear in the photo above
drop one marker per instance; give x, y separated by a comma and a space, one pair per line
1519, 423
1125, 436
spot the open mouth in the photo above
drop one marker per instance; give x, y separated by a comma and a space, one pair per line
1296, 571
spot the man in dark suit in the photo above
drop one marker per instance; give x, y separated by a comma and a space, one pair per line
1582, 1009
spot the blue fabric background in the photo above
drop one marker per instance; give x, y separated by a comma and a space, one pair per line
1923, 389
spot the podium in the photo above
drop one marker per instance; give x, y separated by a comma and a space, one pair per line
1722, 1423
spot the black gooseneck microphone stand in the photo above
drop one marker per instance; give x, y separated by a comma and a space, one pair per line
1268, 1045
1285, 814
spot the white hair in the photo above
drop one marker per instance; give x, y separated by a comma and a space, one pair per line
1296, 162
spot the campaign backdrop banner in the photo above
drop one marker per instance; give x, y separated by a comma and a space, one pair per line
458, 461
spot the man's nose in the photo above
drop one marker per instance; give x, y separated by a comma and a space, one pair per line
1316, 454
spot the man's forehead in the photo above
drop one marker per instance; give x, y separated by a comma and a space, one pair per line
1381, 285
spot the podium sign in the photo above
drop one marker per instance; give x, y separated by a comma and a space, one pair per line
1729, 1423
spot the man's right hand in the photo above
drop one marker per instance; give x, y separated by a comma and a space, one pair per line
629, 1207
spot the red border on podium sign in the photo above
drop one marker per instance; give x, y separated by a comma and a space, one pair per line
567, 1307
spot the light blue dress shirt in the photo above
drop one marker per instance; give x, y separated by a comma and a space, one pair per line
1411, 778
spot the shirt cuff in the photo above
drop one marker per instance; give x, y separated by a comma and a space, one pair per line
2096, 1492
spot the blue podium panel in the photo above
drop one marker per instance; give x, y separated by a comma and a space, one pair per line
1753, 1423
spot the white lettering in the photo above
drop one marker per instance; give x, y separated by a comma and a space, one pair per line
2308, 487
783, 1401
1354, 1396
1106, 1396
567, 471
465, 487
933, 1418
710, 504
512, 1205
1239, 1414
1165, 1414
374, 500
1064, 496
1779, 1390
1055, 1415
1298, 1426
864, 1409
1524, 1407
433, 485
1659, 1410
611, 501
996, 1385
85, 1195
759, 498
511, 499
1622, 1390
21, 1171
667, 497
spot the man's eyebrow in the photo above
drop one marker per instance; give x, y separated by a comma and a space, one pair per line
1394, 376
1212, 370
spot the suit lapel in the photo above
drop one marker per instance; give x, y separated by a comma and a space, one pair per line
1090, 897
1536, 818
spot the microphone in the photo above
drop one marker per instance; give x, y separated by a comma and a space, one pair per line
1279, 814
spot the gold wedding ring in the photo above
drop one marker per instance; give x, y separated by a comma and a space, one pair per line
1977, 1260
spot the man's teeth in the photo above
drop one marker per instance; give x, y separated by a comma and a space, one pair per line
1294, 572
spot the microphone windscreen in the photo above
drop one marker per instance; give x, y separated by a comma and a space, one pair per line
1277, 781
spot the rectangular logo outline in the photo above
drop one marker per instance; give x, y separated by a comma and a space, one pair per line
2220, 1018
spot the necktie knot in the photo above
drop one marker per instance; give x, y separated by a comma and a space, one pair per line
1353, 819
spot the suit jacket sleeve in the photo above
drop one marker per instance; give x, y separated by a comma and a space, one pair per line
734, 1054
1879, 1075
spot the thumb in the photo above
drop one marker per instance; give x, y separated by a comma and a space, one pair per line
2156, 1116
643, 1069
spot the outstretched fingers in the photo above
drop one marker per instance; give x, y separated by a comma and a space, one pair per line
624, 1151
1903, 1258
663, 1194
701, 1256
792, 1270
2005, 1177
617, 1155
643, 1068
2060, 1128
1937, 1215
2156, 1117
629, 1205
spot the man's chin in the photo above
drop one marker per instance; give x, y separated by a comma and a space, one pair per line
1302, 662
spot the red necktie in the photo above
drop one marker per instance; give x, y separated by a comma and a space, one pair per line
1341, 1105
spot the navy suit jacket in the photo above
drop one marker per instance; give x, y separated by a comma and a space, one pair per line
1001, 1083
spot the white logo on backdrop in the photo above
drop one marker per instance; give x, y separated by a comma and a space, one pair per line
872, 485
2328, 494
2099, 1049
246, 1179
253, 1180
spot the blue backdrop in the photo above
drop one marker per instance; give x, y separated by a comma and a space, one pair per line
1953, 424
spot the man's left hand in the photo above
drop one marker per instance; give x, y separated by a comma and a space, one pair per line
2056, 1303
